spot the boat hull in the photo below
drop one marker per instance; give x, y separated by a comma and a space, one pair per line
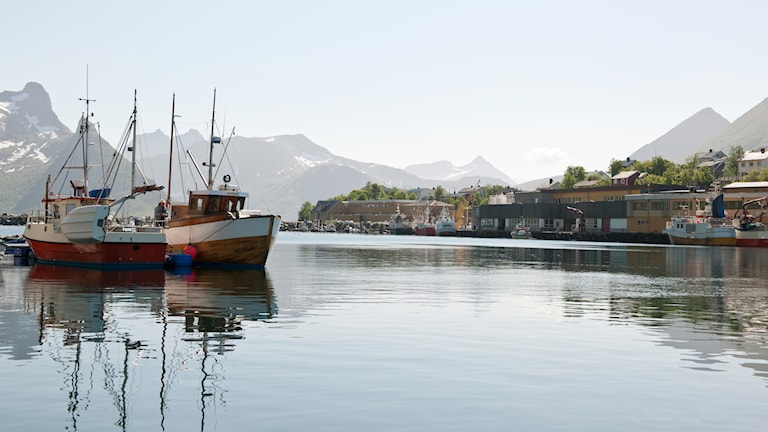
702, 241
100, 255
445, 230
700, 232
752, 238
426, 230
401, 230
245, 241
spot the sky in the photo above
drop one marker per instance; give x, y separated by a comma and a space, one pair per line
531, 86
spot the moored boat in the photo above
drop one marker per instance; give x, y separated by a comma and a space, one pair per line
78, 228
424, 225
750, 230
445, 226
214, 226
707, 227
520, 232
399, 223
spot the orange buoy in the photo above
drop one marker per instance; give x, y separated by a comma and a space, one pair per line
190, 250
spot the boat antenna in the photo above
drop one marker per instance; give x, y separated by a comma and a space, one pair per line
85, 143
133, 144
170, 155
210, 155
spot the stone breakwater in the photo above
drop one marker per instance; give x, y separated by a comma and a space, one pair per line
7, 219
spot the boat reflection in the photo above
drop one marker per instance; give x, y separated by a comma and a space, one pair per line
109, 330
219, 301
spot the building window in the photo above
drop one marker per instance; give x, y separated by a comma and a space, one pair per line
640, 205
658, 205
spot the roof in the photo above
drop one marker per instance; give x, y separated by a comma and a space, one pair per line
746, 185
754, 155
626, 174
586, 183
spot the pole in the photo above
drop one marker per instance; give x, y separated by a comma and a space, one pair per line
170, 154
210, 156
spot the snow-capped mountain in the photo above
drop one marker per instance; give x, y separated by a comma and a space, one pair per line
31, 136
280, 173
446, 171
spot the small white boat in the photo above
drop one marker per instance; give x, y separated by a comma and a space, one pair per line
445, 226
707, 227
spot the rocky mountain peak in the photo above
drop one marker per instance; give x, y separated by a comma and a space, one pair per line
28, 112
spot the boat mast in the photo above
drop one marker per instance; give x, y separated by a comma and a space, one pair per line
133, 145
84, 135
210, 155
170, 154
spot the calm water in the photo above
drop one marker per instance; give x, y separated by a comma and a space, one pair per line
388, 333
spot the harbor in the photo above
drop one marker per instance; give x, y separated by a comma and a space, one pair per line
377, 332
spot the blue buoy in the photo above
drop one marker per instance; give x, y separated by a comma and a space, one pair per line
181, 260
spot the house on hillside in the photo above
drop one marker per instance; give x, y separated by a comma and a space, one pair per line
625, 178
751, 161
626, 163
714, 160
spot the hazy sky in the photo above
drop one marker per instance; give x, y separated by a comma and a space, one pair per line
532, 86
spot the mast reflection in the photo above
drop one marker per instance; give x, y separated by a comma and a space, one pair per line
108, 330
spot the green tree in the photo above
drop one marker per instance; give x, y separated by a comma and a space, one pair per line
573, 175
616, 166
732, 161
650, 179
439, 193
756, 175
306, 211
376, 191
658, 166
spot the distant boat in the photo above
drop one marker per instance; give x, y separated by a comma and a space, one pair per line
750, 230
707, 227
520, 232
399, 223
424, 225
213, 225
79, 229
445, 226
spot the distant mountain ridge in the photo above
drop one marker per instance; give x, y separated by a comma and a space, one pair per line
750, 131
685, 139
446, 171
282, 172
279, 173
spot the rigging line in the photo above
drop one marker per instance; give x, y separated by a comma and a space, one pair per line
101, 150
144, 151
182, 158
224, 154
66, 161
120, 149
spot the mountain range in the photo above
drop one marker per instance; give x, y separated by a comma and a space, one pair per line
282, 172
279, 173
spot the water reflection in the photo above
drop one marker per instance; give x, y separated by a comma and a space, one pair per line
391, 331
706, 302
613, 258
106, 329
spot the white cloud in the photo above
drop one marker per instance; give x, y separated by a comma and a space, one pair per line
546, 155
